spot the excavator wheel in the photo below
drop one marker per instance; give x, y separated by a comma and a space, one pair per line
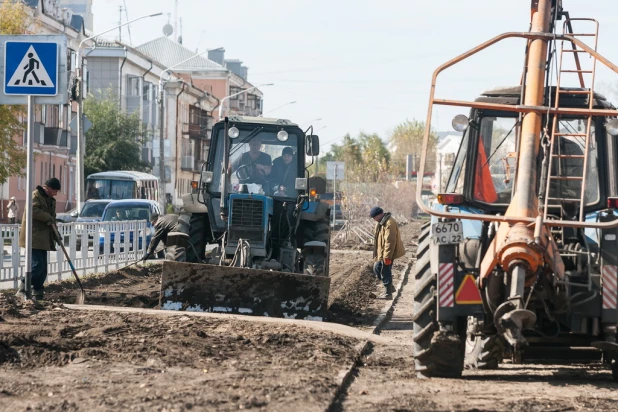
316, 265
435, 354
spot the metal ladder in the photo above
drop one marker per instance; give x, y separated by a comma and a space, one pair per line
559, 136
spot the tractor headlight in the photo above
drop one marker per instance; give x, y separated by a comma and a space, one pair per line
233, 132
460, 122
207, 177
282, 136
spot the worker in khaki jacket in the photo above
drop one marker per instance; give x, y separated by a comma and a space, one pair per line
387, 246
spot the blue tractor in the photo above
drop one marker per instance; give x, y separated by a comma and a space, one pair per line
256, 241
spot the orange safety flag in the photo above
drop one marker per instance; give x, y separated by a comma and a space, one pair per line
484, 189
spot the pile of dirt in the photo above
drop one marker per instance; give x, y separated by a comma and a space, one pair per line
120, 361
133, 286
353, 299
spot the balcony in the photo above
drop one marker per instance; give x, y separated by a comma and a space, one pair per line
54, 136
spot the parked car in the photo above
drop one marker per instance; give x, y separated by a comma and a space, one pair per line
92, 211
125, 210
67, 217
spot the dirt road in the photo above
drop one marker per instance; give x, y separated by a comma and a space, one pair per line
386, 381
53, 358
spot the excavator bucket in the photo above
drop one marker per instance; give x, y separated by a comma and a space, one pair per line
211, 288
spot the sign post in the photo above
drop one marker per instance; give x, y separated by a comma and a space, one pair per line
32, 66
334, 171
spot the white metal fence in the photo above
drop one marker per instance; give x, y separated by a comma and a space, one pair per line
92, 247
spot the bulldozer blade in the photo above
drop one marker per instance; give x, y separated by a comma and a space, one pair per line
212, 288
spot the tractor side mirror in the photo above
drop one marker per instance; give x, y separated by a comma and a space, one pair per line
313, 145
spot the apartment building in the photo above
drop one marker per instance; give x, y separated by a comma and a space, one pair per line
133, 77
215, 75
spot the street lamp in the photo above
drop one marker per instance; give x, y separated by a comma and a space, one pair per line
278, 107
81, 143
162, 176
239, 93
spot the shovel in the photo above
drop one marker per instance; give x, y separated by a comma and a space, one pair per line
81, 298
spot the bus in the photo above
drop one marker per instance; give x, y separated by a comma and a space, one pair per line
122, 184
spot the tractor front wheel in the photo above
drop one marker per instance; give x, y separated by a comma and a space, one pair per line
437, 353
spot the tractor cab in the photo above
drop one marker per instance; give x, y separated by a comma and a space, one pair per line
483, 171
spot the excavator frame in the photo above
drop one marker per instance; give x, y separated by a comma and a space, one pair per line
510, 275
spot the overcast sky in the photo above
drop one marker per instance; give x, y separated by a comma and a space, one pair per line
359, 65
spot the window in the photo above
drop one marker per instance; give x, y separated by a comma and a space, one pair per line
245, 167
495, 162
252, 101
570, 190
54, 116
147, 92
133, 86
194, 115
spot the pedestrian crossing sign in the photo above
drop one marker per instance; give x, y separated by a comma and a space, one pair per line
31, 68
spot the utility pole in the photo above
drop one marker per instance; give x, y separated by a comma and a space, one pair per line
120, 24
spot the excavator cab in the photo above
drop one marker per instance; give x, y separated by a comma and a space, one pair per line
522, 248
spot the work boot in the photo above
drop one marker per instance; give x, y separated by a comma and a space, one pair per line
386, 296
390, 288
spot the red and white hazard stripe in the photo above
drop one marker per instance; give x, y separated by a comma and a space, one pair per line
446, 275
610, 286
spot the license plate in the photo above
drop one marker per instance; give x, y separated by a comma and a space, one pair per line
449, 233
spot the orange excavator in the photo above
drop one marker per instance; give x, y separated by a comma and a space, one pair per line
522, 248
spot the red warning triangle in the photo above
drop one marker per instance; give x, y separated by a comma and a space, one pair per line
468, 293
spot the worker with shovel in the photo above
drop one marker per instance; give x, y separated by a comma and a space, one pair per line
43, 235
163, 225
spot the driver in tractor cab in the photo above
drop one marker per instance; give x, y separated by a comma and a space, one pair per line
254, 166
284, 173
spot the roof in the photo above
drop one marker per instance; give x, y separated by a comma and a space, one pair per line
132, 202
169, 53
263, 120
123, 174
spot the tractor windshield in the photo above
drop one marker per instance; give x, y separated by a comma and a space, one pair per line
261, 161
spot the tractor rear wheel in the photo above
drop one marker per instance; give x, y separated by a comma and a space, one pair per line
436, 353
316, 264
199, 235
176, 253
